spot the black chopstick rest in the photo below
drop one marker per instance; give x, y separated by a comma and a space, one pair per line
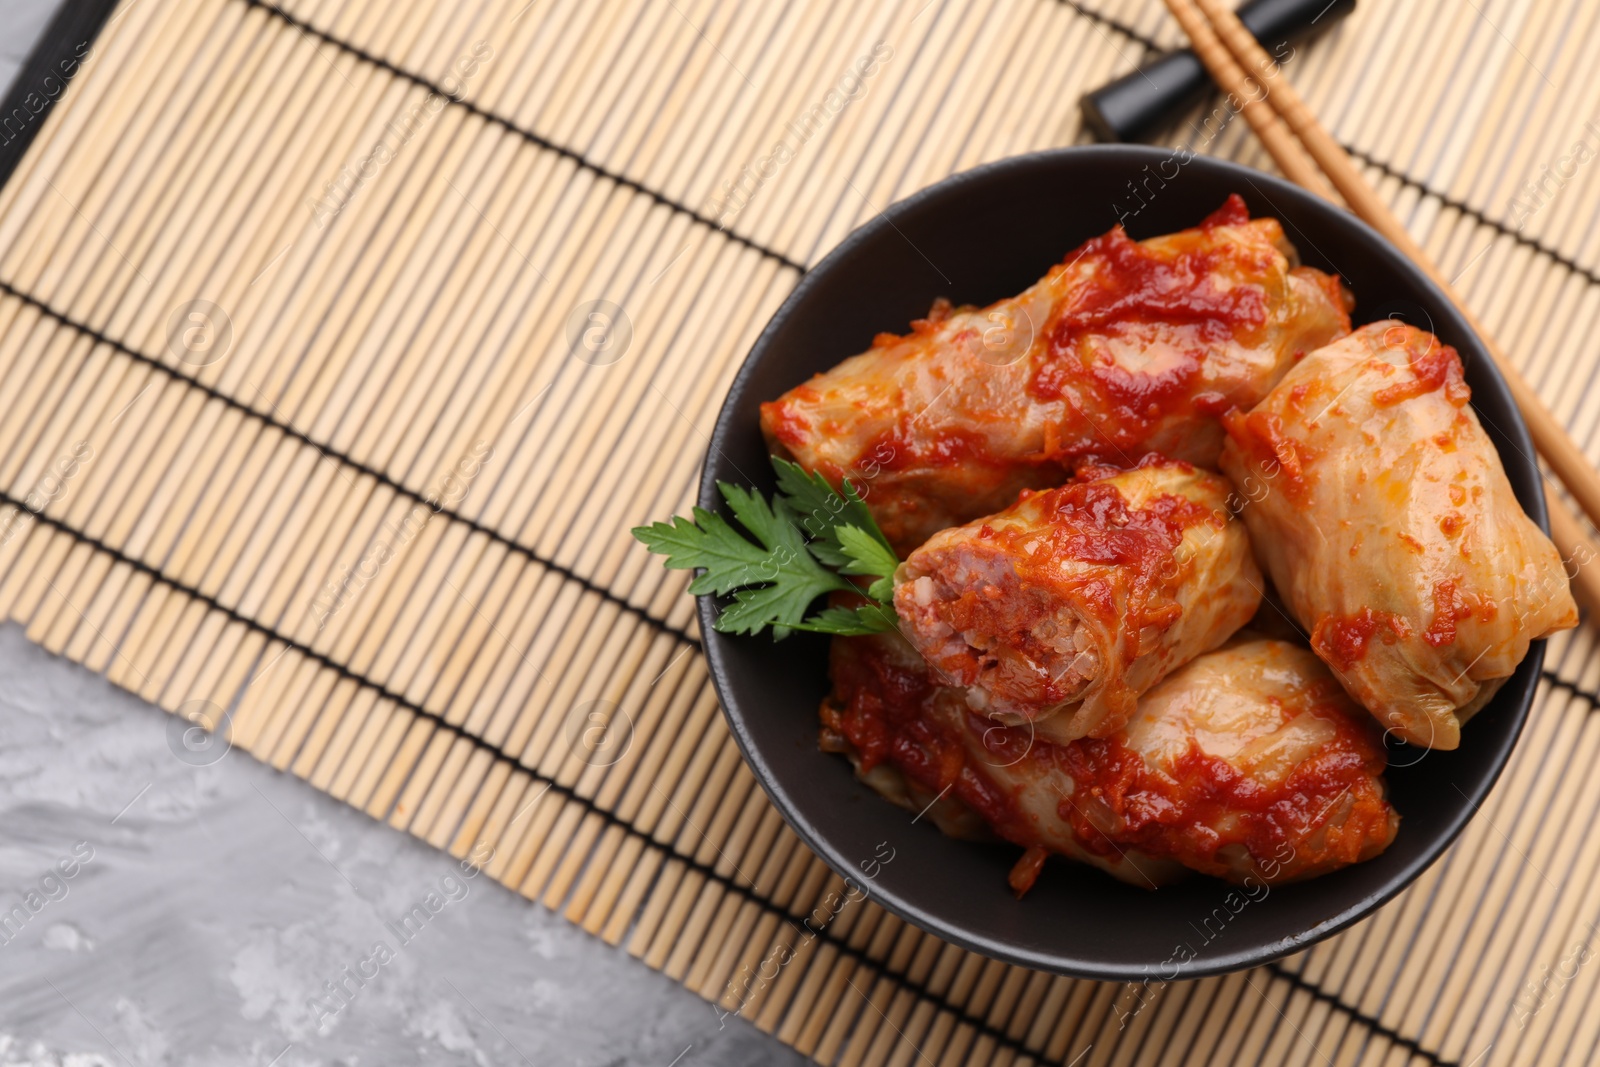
1137, 104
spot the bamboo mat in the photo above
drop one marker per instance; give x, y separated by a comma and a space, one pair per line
369, 508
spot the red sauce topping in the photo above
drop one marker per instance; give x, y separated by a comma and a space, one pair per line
1261, 435
784, 420
1134, 396
1449, 608
1092, 522
1088, 520
946, 447
1134, 286
882, 699
1233, 212
1437, 366
1129, 589
1137, 284
1119, 804
1188, 809
1342, 640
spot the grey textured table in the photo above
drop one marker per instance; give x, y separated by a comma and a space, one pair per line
219, 902
21, 22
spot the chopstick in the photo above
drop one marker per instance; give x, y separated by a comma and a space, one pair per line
1273, 132
1311, 158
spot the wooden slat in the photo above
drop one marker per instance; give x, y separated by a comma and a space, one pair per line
399, 413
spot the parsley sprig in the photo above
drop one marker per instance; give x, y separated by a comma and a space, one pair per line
807, 539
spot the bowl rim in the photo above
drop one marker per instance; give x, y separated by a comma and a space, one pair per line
708, 497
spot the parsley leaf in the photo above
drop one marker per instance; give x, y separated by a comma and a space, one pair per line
866, 554
822, 511
870, 618
775, 579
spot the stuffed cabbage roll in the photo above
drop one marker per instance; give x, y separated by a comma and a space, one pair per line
1124, 348
1379, 507
1072, 602
1248, 764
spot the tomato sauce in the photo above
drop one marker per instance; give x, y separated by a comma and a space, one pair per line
1233, 212
1261, 435
1438, 366
1132, 285
1086, 521
1092, 522
1451, 607
1198, 798
1342, 640
788, 427
945, 447
1112, 800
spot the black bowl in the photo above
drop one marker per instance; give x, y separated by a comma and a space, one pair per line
977, 237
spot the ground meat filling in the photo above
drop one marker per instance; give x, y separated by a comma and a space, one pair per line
957, 611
